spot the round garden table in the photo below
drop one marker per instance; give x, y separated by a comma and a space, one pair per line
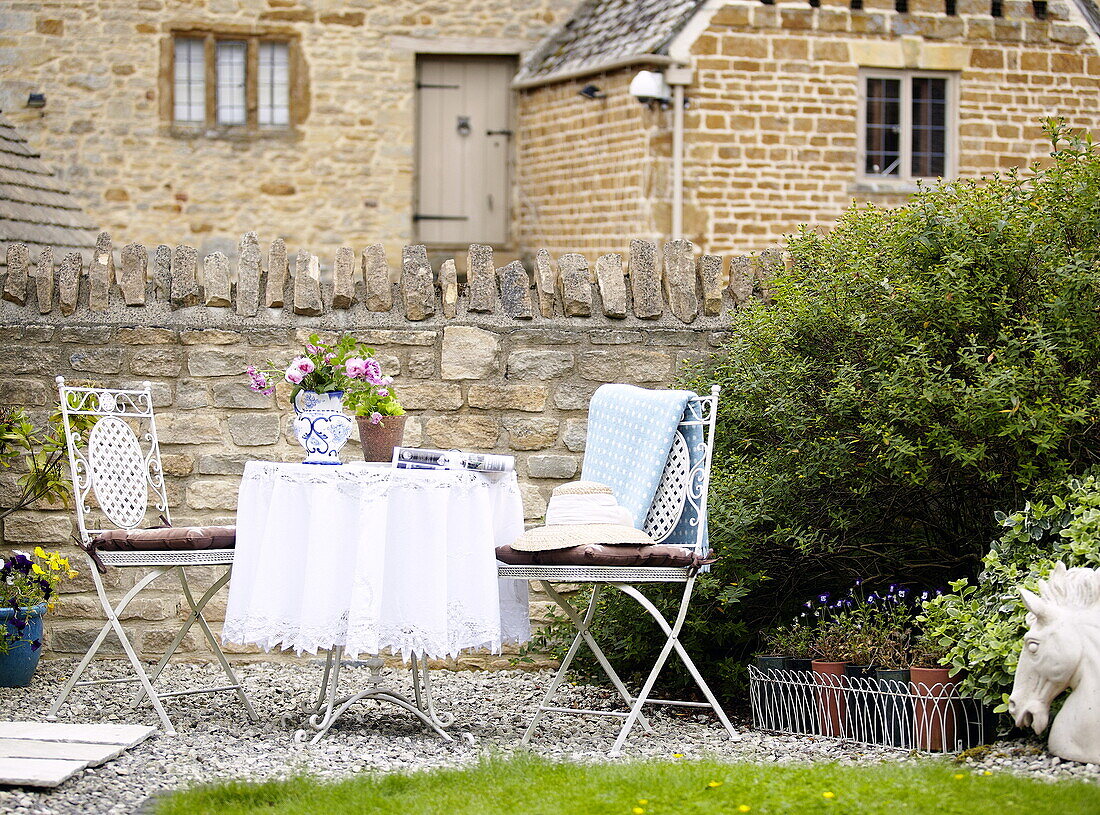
359, 558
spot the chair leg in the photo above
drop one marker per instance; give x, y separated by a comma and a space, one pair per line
113, 624
671, 643
581, 623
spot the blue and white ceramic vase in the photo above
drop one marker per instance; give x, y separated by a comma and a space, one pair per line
321, 426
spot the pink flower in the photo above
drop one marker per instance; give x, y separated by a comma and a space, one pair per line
312, 349
303, 364
373, 373
376, 418
258, 381
356, 367
294, 374
387, 380
383, 392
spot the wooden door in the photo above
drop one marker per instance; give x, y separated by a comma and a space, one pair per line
464, 129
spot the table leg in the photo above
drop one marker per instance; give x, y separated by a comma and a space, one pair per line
328, 708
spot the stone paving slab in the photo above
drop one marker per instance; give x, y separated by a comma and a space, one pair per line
46, 754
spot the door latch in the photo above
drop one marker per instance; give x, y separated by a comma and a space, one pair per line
463, 127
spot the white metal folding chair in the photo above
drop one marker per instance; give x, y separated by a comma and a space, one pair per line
682, 485
111, 465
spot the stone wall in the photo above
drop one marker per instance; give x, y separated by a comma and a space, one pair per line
345, 172
771, 126
505, 363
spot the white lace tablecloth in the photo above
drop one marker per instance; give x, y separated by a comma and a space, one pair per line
369, 558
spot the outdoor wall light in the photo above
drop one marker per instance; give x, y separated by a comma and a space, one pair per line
36, 100
591, 92
650, 87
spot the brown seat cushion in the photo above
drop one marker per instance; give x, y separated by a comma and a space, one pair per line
599, 554
166, 539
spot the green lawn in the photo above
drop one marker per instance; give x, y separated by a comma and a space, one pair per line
534, 787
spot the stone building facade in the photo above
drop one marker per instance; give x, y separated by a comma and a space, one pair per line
776, 104
497, 366
377, 141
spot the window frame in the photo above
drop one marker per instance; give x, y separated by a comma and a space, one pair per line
905, 177
251, 125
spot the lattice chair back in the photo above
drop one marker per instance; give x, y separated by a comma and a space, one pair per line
684, 483
118, 481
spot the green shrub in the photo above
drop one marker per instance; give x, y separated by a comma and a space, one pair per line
912, 371
981, 624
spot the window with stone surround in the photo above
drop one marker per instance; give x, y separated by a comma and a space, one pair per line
907, 125
226, 83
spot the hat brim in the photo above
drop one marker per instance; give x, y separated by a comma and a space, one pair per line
566, 536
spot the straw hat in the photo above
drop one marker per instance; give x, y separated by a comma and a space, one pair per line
579, 513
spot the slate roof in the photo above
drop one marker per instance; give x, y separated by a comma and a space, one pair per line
604, 30
1091, 12
36, 207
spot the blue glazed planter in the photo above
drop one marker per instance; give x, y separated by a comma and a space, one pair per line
18, 664
321, 426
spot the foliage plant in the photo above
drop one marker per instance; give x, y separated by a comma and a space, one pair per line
979, 625
25, 582
910, 372
346, 366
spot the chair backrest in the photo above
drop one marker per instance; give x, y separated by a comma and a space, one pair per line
686, 478
116, 460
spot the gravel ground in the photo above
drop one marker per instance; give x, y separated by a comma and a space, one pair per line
216, 740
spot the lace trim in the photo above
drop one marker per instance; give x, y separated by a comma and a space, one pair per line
349, 476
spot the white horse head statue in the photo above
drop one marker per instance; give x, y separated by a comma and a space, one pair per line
1062, 650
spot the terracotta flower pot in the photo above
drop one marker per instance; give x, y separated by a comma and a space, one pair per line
378, 440
830, 696
933, 708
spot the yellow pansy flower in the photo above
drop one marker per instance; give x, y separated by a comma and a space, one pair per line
959, 775
638, 811
829, 795
37, 569
713, 784
743, 808
39, 552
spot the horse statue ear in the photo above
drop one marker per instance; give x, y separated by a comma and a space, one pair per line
1035, 604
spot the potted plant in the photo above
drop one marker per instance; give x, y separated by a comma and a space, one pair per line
831, 652
379, 414
321, 377
28, 584
786, 660
934, 697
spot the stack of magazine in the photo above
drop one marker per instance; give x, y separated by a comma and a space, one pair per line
416, 458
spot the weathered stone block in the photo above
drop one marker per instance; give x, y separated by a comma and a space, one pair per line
552, 466
672, 336
576, 286
574, 434
307, 285
145, 336
615, 337
573, 396
741, 278
215, 279
430, 396
531, 398
645, 280
463, 432
469, 353
193, 394
417, 285
101, 274
388, 337
515, 291
210, 336
68, 282
268, 336
235, 394
185, 286
710, 280
177, 464
162, 272
546, 282
376, 278
534, 502
212, 495
188, 428
134, 270
78, 638
422, 364
24, 359
254, 429
19, 261
38, 527
86, 335
343, 278
539, 365
97, 360
22, 392
532, 434
44, 280
609, 276
157, 362
224, 463
544, 336
448, 287
679, 280
248, 275
481, 281
216, 362
277, 272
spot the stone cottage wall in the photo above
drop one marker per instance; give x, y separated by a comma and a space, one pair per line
771, 125
505, 363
